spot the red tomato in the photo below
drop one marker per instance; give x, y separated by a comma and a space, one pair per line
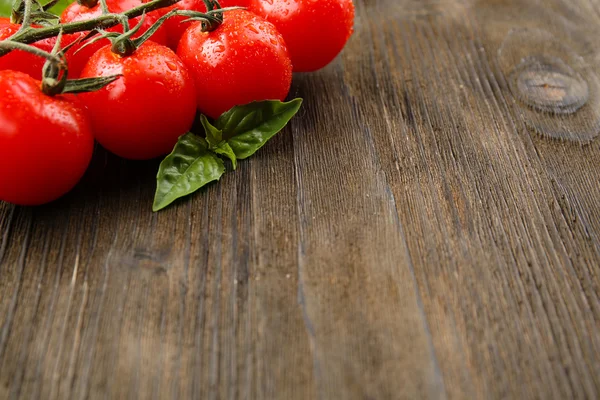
243, 60
233, 3
23, 61
46, 143
76, 12
314, 31
175, 25
140, 115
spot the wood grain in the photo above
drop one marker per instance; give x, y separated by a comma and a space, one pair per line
428, 227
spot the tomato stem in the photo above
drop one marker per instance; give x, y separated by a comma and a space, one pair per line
122, 44
210, 21
54, 74
29, 35
26, 15
104, 7
8, 45
212, 5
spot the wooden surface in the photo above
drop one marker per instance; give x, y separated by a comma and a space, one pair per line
429, 227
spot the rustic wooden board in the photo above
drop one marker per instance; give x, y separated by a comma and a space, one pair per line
429, 227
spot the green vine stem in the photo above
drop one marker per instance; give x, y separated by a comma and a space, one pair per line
9, 45
212, 19
31, 35
104, 7
27, 15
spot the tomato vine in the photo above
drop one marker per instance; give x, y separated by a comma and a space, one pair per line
228, 69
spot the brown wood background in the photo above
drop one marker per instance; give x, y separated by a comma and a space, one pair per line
429, 227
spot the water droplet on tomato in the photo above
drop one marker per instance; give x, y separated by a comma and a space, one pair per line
171, 65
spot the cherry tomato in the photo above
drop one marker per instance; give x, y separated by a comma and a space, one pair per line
314, 31
140, 115
75, 12
233, 3
243, 60
18, 60
46, 143
175, 26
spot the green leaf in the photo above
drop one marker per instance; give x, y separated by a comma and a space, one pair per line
247, 128
83, 85
188, 168
214, 136
216, 144
224, 149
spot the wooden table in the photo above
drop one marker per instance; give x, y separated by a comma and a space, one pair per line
428, 227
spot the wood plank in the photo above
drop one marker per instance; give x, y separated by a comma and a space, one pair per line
356, 276
477, 197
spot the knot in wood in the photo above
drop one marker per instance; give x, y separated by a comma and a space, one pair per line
548, 84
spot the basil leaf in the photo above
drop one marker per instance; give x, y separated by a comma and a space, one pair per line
188, 168
224, 149
216, 144
214, 136
247, 128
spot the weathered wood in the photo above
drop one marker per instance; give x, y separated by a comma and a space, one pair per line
417, 232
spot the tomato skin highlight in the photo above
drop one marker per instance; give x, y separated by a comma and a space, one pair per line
142, 114
314, 31
243, 60
76, 58
46, 143
18, 60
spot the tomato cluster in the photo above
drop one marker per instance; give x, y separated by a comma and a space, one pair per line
46, 141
